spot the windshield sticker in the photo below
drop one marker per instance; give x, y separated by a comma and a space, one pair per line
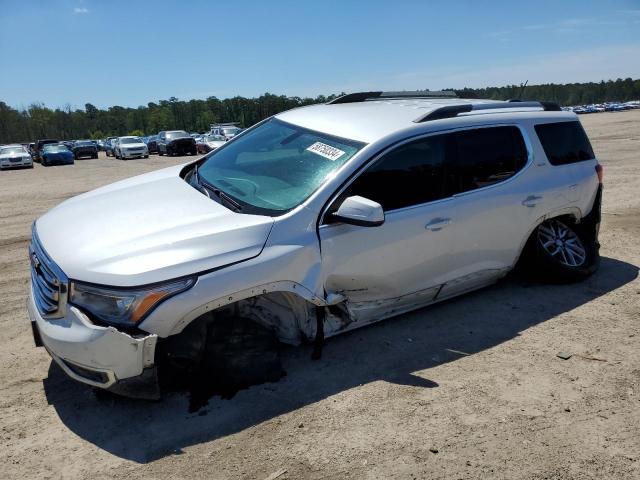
326, 151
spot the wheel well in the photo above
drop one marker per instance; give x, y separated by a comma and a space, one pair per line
289, 316
529, 244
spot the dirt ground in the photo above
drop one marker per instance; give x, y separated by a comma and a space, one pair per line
470, 388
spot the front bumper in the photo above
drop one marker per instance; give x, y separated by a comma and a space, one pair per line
98, 356
140, 154
25, 162
85, 153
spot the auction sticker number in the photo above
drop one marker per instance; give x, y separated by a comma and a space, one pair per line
326, 151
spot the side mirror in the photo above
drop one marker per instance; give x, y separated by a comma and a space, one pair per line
360, 211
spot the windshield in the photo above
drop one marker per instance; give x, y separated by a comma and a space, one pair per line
215, 138
11, 150
84, 143
231, 131
55, 148
124, 141
179, 134
275, 166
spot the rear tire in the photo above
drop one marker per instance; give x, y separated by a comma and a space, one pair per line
560, 251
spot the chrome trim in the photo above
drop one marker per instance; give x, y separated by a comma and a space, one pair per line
49, 284
372, 160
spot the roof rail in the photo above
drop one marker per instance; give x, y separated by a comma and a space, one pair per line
364, 96
450, 111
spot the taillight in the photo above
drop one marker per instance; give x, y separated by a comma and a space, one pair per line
599, 172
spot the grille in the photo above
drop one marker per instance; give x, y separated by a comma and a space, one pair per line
48, 282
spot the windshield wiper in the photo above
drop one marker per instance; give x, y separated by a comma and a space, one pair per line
224, 198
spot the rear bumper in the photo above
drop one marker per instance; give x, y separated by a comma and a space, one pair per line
86, 153
98, 356
182, 148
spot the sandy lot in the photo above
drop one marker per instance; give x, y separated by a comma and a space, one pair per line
475, 379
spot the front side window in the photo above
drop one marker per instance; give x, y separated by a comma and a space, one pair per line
564, 142
275, 166
409, 175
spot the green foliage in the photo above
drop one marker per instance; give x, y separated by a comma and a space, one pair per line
38, 121
136, 133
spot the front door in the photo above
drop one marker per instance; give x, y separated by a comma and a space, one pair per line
400, 265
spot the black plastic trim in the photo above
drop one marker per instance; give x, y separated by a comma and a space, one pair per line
357, 97
450, 111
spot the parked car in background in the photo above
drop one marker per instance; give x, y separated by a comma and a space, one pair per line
176, 142
100, 145
130, 147
40, 145
32, 151
67, 143
109, 146
152, 144
14, 156
84, 148
56, 154
226, 130
210, 142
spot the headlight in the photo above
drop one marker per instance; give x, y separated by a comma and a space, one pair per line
125, 307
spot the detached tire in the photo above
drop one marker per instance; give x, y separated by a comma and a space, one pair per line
563, 252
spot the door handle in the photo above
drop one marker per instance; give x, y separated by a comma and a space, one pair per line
531, 201
437, 224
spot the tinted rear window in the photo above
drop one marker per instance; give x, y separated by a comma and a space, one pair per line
564, 142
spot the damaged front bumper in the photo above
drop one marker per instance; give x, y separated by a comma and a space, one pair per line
99, 356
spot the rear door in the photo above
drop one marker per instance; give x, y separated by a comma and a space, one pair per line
401, 264
496, 203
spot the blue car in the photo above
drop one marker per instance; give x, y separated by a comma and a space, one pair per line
56, 154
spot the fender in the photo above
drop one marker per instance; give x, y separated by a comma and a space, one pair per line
284, 286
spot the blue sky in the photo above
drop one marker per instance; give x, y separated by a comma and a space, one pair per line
132, 52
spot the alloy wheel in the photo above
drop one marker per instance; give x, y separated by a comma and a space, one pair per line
562, 243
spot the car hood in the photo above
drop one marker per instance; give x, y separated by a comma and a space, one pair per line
147, 229
15, 155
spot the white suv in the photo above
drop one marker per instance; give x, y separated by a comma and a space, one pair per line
313, 222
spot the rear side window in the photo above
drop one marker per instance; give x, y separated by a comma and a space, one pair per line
564, 142
485, 156
411, 174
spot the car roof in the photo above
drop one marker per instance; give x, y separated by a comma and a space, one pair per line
13, 145
370, 120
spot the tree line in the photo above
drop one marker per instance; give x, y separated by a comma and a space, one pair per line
39, 121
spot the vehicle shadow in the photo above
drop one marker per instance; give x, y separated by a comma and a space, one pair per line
399, 350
